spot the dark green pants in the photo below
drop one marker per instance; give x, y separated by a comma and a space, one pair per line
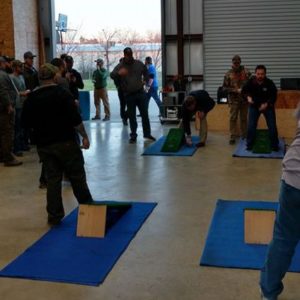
58, 159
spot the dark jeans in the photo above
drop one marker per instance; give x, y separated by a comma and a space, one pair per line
285, 239
58, 159
19, 136
6, 136
253, 116
123, 113
133, 101
153, 93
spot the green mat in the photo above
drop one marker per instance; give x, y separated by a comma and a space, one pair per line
174, 140
262, 142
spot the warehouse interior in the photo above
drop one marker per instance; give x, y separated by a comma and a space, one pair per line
199, 39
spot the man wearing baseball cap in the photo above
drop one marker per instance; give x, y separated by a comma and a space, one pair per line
29, 72
100, 92
52, 114
8, 96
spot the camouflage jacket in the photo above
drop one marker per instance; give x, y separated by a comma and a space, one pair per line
234, 82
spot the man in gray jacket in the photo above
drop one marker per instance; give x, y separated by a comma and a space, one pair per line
132, 74
8, 94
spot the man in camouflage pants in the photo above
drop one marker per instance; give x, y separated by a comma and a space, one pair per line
234, 80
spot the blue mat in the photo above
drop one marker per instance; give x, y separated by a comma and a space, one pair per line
241, 151
60, 256
225, 245
155, 148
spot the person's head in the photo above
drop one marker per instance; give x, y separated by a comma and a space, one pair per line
5, 63
99, 62
47, 73
236, 62
63, 56
69, 62
60, 64
28, 58
260, 73
190, 103
148, 60
128, 55
17, 67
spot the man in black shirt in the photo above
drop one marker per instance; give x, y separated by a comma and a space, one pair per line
261, 94
197, 103
74, 77
52, 114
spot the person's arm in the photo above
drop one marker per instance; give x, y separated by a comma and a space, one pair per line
272, 93
115, 73
186, 125
227, 85
246, 92
85, 139
79, 81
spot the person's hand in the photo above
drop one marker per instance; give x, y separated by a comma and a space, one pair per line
77, 103
123, 72
85, 143
250, 100
10, 109
263, 106
200, 114
188, 141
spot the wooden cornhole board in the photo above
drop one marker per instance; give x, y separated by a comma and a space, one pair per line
258, 226
92, 218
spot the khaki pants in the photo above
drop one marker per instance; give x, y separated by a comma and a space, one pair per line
203, 129
238, 109
101, 94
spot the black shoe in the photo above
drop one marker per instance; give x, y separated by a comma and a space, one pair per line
54, 221
42, 185
125, 122
132, 140
201, 144
150, 137
18, 153
96, 118
106, 118
13, 163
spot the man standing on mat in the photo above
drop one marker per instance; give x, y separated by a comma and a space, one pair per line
287, 224
261, 94
197, 103
52, 114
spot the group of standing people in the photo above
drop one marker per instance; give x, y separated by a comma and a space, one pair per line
248, 98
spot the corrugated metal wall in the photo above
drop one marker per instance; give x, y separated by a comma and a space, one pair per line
260, 31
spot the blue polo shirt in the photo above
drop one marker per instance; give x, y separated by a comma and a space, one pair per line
152, 75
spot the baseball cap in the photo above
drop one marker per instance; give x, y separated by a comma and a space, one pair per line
99, 61
69, 58
5, 58
29, 54
16, 63
127, 51
236, 57
47, 71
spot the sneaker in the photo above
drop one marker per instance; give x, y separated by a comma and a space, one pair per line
18, 153
13, 163
150, 137
132, 140
232, 141
201, 144
265, 298
96, 118
106, 118
42, 185
125, 122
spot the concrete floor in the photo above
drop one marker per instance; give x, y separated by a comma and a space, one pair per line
162, 262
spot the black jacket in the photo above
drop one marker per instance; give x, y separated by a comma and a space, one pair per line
260, 93
52, 114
